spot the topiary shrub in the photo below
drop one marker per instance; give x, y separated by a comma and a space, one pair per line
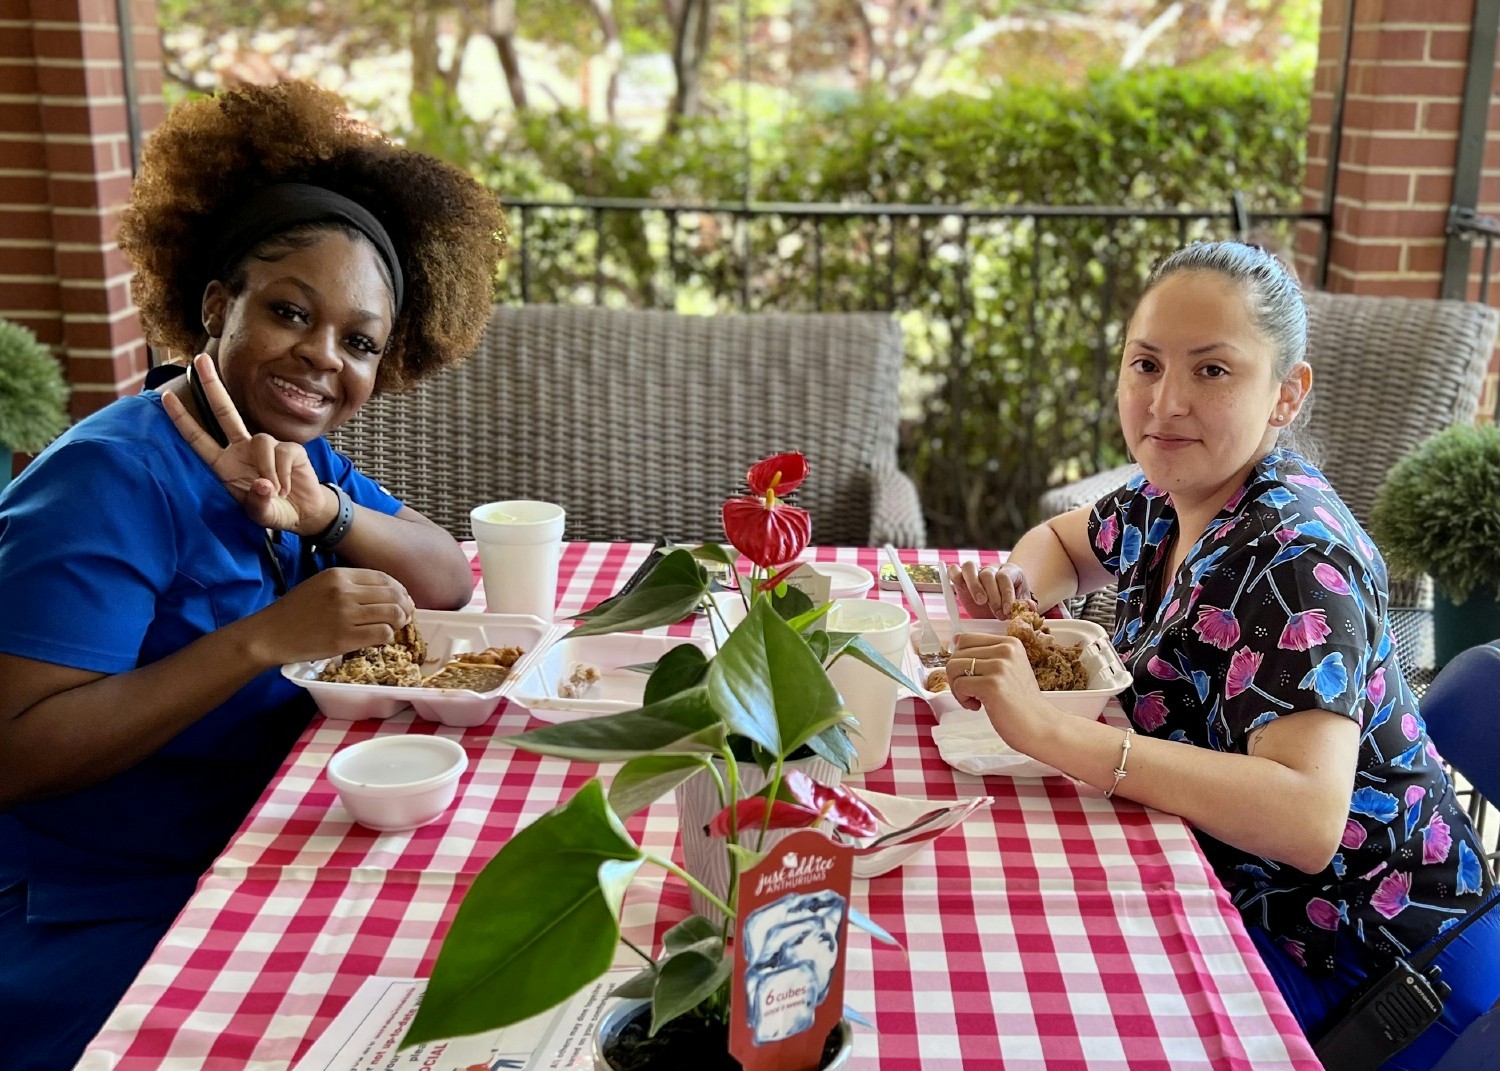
1438, 512
33, 394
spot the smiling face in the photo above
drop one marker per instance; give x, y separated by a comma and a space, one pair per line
298, 346
1199, 400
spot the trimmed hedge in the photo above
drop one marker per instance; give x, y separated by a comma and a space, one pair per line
1013, 324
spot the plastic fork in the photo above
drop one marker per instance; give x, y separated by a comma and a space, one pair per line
928, 643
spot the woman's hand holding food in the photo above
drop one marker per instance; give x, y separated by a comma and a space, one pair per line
991, 591
333, 612
993, 672
271, 479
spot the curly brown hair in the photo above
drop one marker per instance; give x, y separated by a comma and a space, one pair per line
209, 154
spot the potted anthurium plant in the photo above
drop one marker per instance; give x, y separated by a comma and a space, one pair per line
541, 920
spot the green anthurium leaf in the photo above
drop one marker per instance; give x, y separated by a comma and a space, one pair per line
739, 683
852, 1014
745, 856
837, 641
791, 603
615, 876
817, 642
535, 927
644, 780
688, 932
859, 648
669, 593
802, 621
637, 986
681, 668
767, 684
685, 981
716, 552
833, 744
641, 667
863, 921
685, 723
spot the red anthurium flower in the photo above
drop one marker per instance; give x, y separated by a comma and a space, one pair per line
810, 802
765, 530
760, 525
781, 473
848, 812
751, 812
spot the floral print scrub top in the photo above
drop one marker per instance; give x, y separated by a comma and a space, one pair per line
1281, 607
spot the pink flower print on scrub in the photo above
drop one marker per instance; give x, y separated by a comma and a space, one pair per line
1329, 519
1331, 578
1304, 631
1354, 834
1218, 627
1322, 914
1109, 531
1393, 896
1437, 842
1242, 667
1150, 711
1375, 690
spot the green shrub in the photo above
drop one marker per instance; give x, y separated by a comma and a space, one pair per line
1438, 512
1013, 325
33, 395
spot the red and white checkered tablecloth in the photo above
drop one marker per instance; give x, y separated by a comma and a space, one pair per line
1055, 930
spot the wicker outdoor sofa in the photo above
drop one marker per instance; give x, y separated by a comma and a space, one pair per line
640, 424
1387, 374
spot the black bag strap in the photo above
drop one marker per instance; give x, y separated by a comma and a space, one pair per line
1424, 959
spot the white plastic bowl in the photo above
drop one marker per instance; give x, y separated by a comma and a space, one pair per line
849, 581
396, 783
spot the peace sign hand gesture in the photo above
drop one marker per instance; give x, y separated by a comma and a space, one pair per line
272, 480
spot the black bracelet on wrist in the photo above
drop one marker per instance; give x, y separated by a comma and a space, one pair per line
339, 527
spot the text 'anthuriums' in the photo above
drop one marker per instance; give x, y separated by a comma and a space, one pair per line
541, 921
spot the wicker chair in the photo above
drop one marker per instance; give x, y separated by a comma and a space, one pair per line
1387, 374
640, 424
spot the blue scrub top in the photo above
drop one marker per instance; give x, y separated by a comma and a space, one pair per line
118, 547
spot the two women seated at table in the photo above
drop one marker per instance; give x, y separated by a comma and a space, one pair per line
1252, 614
164, 557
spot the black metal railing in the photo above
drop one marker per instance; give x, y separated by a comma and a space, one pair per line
1467, 226
1012, 314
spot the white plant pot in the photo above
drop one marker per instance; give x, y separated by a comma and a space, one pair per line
624, 1011
698, 801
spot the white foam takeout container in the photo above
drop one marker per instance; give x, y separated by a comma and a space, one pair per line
1107, 674
447, 633
618, 687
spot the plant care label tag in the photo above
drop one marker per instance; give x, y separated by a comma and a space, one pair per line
815, 585
787, 989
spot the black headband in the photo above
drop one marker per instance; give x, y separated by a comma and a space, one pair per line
273, 210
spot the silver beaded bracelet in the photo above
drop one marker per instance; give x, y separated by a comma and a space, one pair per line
1120, 770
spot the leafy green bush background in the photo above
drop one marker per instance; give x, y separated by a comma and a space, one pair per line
1013, 324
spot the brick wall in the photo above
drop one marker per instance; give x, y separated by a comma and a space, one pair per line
65, 168
1407, 66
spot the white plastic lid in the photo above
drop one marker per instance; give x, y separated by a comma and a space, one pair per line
396, 763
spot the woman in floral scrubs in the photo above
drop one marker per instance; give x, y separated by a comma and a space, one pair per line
1253, 618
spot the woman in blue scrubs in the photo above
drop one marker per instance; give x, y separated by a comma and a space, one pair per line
166, 555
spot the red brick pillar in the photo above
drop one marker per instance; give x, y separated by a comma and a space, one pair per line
1408, 61
65, 169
